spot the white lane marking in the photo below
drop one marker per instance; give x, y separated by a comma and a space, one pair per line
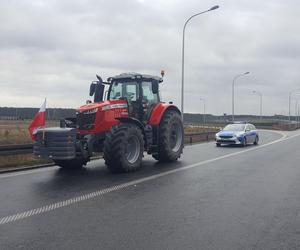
40, 170
101, 192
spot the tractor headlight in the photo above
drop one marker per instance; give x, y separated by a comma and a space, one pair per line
90, 111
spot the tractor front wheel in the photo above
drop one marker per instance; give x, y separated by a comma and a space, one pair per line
123, 148
171, 137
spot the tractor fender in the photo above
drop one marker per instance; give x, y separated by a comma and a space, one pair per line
159, 110
132, 120
146, 131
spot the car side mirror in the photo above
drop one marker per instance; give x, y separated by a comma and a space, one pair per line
247, 130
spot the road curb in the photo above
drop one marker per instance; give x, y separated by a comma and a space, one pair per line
24, 168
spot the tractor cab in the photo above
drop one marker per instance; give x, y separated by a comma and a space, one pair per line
139, 91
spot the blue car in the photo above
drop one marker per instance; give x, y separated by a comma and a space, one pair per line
237, 133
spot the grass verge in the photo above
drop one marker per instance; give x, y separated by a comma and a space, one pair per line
12, 161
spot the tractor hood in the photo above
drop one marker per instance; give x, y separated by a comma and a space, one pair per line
105, 105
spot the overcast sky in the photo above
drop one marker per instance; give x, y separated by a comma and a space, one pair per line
54, 49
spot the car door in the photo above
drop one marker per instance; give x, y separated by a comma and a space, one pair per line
254, 132
248, 133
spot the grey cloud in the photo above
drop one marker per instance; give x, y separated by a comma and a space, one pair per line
55, 48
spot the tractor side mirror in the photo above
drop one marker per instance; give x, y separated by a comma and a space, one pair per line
99, 89
155, 87
92, 88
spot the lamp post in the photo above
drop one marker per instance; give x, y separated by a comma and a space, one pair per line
233, 82
182, 57
290, 95
298, 114
260, 109
296, 111
202, 99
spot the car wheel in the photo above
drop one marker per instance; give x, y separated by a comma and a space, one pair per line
244, 142
256, 140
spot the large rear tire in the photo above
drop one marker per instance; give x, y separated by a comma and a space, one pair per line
76, 163
171, 137
123, 148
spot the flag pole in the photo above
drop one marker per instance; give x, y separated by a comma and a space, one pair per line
43, 138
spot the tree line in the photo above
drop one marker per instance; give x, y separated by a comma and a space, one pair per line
11, 113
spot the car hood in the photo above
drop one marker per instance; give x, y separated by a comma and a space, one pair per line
230, 133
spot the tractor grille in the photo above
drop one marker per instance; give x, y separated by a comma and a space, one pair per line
86, 121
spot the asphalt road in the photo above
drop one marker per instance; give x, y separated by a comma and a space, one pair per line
213, 198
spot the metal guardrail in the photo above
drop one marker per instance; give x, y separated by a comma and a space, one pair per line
17, 149
200, 136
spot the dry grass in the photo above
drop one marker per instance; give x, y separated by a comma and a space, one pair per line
16, 132
19, 160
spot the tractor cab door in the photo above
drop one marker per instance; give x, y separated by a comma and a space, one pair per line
132, 95
141, 97
129, 91
150, 97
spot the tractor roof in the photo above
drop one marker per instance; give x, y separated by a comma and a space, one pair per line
134, 76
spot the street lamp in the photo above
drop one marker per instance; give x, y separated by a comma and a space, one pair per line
290, 95
297, 114
182, 58
296, 110
260, 94
233, 81
202, 99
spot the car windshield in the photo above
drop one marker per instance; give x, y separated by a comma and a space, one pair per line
234, 127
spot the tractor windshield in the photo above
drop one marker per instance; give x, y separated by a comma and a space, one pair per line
148, 94
120, 90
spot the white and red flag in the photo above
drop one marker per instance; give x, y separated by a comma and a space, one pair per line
38, 121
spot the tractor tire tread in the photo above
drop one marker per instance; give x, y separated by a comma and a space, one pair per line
114, 148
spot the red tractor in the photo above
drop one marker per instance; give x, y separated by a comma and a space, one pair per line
130, 120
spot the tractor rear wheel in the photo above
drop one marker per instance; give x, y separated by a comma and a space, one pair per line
76, 163
123, 148
171, 137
